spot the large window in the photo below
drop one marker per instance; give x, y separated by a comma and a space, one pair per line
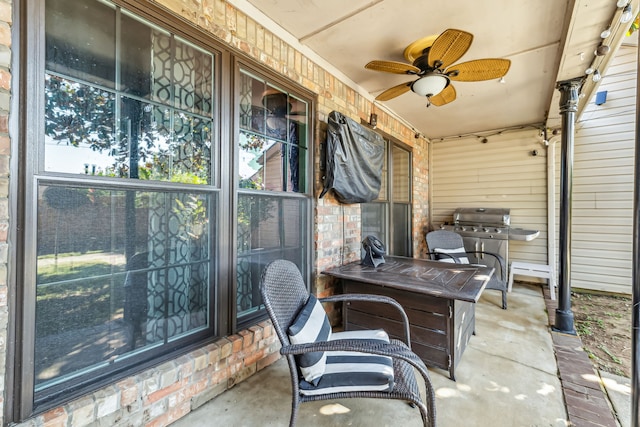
125, 199
123, 98
119, 272
272, 215
131, 251
389, 216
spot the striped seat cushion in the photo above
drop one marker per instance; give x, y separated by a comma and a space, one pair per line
353, 371
311, 325
458, 254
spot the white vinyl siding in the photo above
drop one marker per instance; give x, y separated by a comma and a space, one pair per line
602, 220
501, 173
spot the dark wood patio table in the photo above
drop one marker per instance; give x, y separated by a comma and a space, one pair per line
438, 297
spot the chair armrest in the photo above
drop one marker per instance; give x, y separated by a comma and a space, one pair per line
436, 255
378, 299
503, 269
498, 257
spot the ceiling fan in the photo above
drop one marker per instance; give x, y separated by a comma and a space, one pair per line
431, 59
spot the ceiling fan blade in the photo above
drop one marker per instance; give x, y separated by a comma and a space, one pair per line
447, 95
479, 69
392, 67
449, 47
392, 92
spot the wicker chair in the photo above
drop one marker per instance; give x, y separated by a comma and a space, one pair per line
285, 296
448, 246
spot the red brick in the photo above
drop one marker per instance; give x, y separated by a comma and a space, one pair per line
162, 393
257, 333
219, 376
268, 360
5, 146
3, 296
197, 387
213, 350
253, 358
234, 368
226, 348
185, 366
177, 398
4, 123
128, 392
4, 231
5, 79
247, 338
267, 329
236, 342
5, 34
200, 359
55, 418
161, 421
5, 12
178, 412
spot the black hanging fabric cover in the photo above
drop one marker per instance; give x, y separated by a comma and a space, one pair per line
353, 160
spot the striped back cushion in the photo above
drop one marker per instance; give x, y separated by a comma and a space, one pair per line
458, 254
311, 325
352, 371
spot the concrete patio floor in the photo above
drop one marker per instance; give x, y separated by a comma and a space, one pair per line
508, 376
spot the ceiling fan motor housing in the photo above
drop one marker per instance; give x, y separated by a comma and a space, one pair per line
422, 62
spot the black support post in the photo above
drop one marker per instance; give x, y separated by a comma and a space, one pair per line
635, 314
569, 90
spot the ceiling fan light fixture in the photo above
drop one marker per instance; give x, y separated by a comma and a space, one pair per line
430, 84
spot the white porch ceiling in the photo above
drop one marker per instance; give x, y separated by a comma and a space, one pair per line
546, 40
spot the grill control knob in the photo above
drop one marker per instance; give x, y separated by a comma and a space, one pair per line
485, 229
475, 228
498, 230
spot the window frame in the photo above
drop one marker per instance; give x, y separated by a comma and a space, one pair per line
30, 401
387, 201
27, 159
241, 63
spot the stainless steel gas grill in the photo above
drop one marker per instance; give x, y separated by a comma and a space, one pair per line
487, 230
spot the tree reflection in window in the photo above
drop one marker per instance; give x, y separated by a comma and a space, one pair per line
149, 118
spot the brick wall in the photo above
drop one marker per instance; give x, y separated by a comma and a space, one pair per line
158, 396
161, 395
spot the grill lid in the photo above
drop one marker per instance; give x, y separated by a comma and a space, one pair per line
499, 217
